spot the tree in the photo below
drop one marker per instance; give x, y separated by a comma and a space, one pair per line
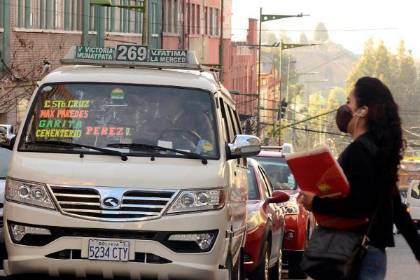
365, 65
404, 87
303, 39
397, 71
270, 38
321, 33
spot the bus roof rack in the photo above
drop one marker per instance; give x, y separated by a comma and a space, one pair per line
132, 56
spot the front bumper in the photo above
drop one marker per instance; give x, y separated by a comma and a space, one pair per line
149, 257
253, 247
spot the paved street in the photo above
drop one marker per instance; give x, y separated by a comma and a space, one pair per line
401, 263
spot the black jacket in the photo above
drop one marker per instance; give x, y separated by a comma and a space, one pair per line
366, 188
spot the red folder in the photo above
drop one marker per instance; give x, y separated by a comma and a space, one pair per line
318, 172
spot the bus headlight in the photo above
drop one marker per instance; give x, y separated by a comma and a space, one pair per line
200, 200
29, 193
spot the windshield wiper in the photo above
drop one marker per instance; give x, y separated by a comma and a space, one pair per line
158, 148
62, 143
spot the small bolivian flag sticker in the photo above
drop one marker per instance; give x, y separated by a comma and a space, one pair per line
324, 188
117, 93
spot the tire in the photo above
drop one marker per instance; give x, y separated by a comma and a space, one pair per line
262, 272
295, 272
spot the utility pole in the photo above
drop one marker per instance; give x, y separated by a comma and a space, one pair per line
259, 78
222, 19
286, 46
268, 17
145, 36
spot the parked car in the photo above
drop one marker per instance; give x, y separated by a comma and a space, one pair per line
413, 201
299, 221
5, 156
6, 133
265, 226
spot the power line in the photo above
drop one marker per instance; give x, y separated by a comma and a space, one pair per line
320, 131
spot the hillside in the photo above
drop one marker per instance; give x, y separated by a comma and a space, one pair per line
323, 67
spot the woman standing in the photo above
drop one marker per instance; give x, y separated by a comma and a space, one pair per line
371, 165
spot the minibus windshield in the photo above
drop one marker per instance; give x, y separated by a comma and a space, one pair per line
113, 116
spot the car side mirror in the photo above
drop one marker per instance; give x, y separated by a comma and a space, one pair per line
278, 197
244, 146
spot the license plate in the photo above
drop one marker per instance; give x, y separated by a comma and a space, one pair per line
108, 250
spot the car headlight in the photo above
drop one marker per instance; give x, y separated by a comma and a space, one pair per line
29, 193
200, 200
291, 207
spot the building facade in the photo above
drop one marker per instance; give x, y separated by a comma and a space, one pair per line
241, 71
270, 99
36, 34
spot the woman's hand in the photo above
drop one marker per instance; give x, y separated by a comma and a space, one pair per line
306, 199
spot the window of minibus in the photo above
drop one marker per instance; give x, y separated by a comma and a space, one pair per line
107, 115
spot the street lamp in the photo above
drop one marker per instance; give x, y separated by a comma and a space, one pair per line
263, 18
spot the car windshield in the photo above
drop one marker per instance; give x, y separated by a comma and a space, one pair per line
107, 115
5, 156
278, 172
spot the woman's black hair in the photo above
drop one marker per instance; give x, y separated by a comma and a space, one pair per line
384, 124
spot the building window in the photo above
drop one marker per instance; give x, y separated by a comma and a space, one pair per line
166, 12
123, 20
155, 23
192, 21
1, 13
49, 14
216, 22
206, 20
175, 16
170, 14
198, 20
92, 13
211, 21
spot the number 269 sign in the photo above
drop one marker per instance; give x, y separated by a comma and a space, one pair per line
131, 53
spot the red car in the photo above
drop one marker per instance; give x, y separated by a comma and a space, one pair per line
299, 221
265, 226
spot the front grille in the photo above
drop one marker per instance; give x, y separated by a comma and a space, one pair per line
135, 204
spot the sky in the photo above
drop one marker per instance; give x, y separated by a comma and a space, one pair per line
350, 22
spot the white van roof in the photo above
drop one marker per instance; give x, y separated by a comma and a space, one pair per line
145, 76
